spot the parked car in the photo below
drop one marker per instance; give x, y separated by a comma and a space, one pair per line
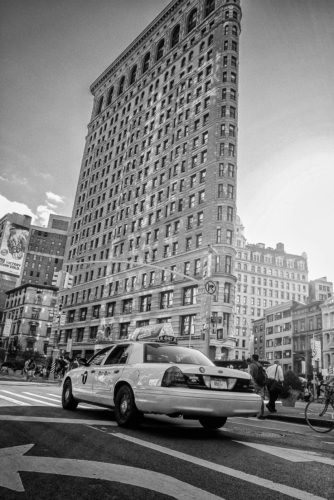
136, 377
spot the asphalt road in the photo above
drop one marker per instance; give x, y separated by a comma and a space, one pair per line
49, 453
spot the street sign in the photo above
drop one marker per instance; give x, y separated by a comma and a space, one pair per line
210, 287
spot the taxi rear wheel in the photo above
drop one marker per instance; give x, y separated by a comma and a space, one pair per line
212, 423
67, 399
126, 412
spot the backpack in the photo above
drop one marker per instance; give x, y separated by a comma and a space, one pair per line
261, 376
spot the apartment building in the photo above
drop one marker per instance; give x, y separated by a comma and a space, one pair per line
266, 277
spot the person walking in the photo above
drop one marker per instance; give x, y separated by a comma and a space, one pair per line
258, 374
29, 368
275, 384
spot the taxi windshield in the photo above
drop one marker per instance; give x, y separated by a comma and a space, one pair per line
157, 353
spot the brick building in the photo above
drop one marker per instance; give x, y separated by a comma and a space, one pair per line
45, 251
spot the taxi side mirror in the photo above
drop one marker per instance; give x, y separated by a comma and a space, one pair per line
83, 361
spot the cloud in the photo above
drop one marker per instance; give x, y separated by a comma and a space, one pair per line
42, 212
7, 206
55, 198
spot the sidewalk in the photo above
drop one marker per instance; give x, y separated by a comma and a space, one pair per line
294, 414
18, 377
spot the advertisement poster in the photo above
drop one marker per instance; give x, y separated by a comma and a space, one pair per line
12, 249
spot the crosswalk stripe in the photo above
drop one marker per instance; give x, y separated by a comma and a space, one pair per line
11, 400
40, 396
29, 398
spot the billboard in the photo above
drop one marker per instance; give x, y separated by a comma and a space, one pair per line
13, 248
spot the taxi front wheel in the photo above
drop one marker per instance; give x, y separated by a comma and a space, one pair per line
126, 412
212, 423
67, 399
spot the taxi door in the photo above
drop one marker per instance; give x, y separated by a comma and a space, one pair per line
108, 373
82, 378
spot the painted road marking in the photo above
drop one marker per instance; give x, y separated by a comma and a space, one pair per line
13, 460
11, 400
290, 454
30, 399
43, 397
264, 483
54, 420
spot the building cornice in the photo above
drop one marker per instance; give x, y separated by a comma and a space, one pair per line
161, 18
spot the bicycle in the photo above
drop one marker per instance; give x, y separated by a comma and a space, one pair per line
319, 413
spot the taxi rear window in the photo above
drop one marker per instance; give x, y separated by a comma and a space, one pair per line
155, 353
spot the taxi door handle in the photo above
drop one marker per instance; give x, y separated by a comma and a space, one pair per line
93, 371
116, 371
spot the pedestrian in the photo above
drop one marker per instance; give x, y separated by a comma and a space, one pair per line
29, 368
275, 384
258, 375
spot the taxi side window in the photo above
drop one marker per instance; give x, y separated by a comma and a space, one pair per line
99, 357
118, 355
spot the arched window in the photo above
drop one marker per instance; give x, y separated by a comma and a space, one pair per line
183, 62
146, 62
210, 40
133, 74
160, 49
234, 30
121, 85
209, 7
192, 20
110, 94
175, 36
99, 106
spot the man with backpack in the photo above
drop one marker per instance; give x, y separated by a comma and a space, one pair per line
275, 384
258, 374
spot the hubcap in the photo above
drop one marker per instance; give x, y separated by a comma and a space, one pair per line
124, 405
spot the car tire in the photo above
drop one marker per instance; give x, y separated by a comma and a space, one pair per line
67, 399
126, 412
212, 423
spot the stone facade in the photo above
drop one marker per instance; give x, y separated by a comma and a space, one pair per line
266, 277
158, 184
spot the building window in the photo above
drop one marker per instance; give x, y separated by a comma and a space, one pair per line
93, 332
209, 7
110, 309
133, 74
175, 36
227, 292
190, 295
96, 311
124, 330
80, 334
127, 306
145, 303
160, 49
146, 62
166, 299
192, 20
121, 85
188, 325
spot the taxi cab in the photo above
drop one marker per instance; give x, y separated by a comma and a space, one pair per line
137, 377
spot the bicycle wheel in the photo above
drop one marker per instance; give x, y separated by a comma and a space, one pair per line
320, 416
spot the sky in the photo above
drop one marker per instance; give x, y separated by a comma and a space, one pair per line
51, 52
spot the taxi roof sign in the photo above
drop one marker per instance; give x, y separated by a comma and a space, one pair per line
161, 333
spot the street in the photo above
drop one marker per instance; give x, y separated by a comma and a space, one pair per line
49, 453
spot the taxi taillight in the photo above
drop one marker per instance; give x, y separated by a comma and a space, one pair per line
173, 376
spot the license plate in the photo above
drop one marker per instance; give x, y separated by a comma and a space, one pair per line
218, 383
